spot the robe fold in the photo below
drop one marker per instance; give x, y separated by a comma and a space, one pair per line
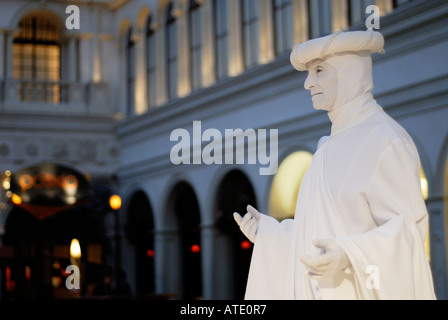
362, 189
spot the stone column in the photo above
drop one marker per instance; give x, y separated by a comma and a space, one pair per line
8, 53
217, 270
72, 65
166, 264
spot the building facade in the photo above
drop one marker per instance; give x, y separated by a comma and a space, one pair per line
190, 110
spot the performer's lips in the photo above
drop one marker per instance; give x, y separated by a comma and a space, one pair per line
315, 94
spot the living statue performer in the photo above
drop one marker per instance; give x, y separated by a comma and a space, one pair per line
360, 222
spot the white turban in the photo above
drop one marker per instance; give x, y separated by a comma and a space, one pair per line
354, 72
349, 53
340, 42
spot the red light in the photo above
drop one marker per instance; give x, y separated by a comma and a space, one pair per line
245, 245
195, 248
150, 253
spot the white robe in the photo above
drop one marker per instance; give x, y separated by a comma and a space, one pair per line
363, 189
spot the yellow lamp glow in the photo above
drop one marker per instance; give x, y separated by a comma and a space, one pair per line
115, 202
16, 199
75, 249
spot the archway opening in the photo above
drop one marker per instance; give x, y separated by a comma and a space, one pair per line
234, 194
186, 210
140, 232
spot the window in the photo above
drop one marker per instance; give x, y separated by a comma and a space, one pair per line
221, 37
249, 14
151, 64
36, 59
320, 17
195, 44
282, 25
130, 66
171, 49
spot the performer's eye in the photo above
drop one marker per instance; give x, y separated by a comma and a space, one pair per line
319, 69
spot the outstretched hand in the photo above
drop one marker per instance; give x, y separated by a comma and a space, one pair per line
332, 261
249, 223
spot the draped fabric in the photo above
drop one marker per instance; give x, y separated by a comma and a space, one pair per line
363, 190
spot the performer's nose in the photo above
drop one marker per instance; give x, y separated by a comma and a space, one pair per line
309, 82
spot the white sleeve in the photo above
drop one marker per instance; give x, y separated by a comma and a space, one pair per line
395, 187
267, 273
395, 249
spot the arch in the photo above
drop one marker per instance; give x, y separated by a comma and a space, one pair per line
139, 230
165, 222
58, 16
182, 210
142, 18
234, 193
286, 183
161, 6
215, 184
123, 31
239, 192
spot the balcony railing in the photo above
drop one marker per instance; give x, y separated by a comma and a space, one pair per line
43, 91
37, 95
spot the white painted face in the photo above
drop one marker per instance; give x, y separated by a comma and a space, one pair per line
322, 82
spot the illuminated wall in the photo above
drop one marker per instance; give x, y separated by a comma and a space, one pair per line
286, 184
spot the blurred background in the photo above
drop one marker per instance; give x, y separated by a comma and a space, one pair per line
89, 96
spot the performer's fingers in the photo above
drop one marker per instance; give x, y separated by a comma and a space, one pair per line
313, 275
254, 212
237, 217
316, 271
321, 243
320, 261
307, 260
253, 228
245, 220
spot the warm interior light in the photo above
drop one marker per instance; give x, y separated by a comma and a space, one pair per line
75, 249
424, 186
115, 202
6, 184
16, 199
286, 183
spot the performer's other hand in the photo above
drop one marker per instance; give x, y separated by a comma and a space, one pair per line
249, 223
332, 261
